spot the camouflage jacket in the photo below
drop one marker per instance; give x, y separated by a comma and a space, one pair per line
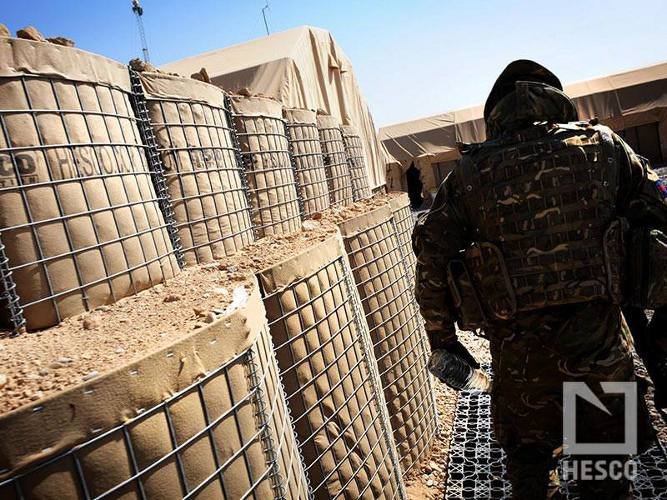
445, 230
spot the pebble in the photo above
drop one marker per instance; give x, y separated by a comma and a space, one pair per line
90, 375
172, 297
119, 350
91, 323
3, 380
36, 396
310, 225
104, 308
199, 311
43, 372
211, 317
64, 360
220, 291
86, 355
433, 465
316, 216
430, 483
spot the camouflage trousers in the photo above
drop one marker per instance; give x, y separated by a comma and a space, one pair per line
532, 356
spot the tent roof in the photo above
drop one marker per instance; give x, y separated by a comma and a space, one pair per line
607, 97
302, 67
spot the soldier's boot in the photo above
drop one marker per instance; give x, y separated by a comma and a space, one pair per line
528, 469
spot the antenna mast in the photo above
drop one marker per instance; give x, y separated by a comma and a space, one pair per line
139, 12
266, 24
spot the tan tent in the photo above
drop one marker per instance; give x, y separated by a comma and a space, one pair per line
303, 68
633, 103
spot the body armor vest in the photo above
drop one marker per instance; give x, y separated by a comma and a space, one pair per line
540, 203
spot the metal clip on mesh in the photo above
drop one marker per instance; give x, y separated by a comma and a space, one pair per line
299, 191
155, 164
371, 366
268, 445
240, 160
8, 293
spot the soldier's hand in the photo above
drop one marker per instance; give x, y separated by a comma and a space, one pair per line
457, 368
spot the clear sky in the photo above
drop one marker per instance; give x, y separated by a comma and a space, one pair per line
413, 58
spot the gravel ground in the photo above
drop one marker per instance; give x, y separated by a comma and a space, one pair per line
430, 481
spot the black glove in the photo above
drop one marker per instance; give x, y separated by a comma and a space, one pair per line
455, 366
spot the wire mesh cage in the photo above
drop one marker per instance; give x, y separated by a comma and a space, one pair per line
405, 223
226, 435
356, 160
331, 388
81, 222
335, 161
191, 123
308, 160
267, 163
398, 337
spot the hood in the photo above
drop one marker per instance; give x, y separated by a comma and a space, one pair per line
525, 93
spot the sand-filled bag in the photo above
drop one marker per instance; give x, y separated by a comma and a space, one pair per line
202, 417
398, 337
267, 164
326, 361
356, 159
79, 216
191, 123
405, 223
335, 160
308, 159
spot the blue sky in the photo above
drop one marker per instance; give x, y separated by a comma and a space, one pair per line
412, 58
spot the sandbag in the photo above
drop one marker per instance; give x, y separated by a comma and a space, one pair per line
326, 361
203, 175
356, 159
267, 165
204, 416
396, 330
335, 160
308, 160
400, 209
79, 216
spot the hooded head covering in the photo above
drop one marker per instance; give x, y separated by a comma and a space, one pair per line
524, 93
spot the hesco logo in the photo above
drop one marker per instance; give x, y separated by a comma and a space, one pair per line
587, 469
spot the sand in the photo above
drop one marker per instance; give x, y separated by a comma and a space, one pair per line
35, 365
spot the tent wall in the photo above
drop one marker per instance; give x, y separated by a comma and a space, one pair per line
302, 68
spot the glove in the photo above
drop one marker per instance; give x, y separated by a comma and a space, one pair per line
457, 368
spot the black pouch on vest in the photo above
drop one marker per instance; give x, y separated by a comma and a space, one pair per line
648, 269
615, 258
491, 279
470, 313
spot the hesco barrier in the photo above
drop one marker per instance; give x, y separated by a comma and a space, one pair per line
400, 208
268, 165
308, 160
395, 328
195, 140
326, 361
356, 160
335, 160
203, 418
79, 216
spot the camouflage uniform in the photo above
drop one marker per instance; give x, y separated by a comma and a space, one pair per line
537, 350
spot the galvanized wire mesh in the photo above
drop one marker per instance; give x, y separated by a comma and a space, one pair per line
227, 435
270, 176
477, 462
309, 165
357, 162
397, 335
203, 175
337, 168
330, 389
81, 223
405, 223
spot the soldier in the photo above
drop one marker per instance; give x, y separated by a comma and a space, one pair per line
533, 239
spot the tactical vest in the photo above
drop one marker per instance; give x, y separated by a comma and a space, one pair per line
541, 204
